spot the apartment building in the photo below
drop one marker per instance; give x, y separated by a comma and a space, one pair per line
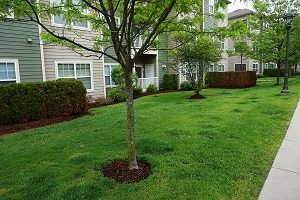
209, 24
24, 57
235, 63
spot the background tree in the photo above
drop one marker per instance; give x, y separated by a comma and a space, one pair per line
193, 59
242, 49
295, 43
268, 32
137, 18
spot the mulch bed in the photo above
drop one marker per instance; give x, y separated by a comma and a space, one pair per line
197, 96
6, 129
119, 171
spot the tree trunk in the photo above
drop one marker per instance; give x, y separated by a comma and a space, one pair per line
261, 71
278, 73
130, 119
241, 62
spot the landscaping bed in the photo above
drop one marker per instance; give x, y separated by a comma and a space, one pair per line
6, 129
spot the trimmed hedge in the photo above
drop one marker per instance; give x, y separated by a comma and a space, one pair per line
170, 82
273, 72
24, 102
231, 79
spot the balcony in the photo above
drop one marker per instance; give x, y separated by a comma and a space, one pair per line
145, 82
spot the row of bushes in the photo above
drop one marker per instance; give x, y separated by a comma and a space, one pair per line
274, 72
24, 102
231, 79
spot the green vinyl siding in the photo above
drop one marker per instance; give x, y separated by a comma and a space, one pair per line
111, 52
162, 56
14, 44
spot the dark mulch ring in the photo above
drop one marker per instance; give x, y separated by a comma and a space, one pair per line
197, 96
6, 129
119, 171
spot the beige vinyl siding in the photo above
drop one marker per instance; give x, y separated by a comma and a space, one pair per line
54, 53
232, 60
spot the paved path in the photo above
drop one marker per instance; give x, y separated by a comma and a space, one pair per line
283, 182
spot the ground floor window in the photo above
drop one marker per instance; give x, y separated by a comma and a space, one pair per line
240, 67
108, 68
211, 68
221, 67
216, 68
270, 65
9, 70
255, 67
78, 70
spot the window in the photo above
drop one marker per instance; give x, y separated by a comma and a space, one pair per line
223, 44
255, 67
78, 70
211, 9
211, 68
211, 6
9, 70
216, 68
240, 67
107, 73
221, 67
8, 14
138, 42
270, 66
60, 20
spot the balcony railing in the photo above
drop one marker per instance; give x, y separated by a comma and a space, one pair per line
145, 82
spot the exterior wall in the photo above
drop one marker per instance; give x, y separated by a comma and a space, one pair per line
210, 23
237, 59
55, 53
14, 37
163, 57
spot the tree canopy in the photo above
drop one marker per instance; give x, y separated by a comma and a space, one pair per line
193, 59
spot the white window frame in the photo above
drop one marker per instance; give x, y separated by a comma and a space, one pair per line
17, 69
257, 71
11, 14
88, 28
211, 4
75, 75
222, 64
223, 45
239, 64
110, 66
211, 68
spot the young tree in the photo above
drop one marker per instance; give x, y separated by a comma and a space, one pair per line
146, 18
193, 59
268, 31
242, 49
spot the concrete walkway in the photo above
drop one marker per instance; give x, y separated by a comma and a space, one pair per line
283, 182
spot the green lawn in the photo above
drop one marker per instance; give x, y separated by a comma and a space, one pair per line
218, 148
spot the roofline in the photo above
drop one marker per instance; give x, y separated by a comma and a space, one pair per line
241, 15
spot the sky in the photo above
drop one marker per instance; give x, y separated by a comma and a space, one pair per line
236, 4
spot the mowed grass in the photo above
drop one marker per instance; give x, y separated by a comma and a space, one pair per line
218, 148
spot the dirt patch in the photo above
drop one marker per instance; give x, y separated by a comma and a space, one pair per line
119, 171
197, 96
6, 129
